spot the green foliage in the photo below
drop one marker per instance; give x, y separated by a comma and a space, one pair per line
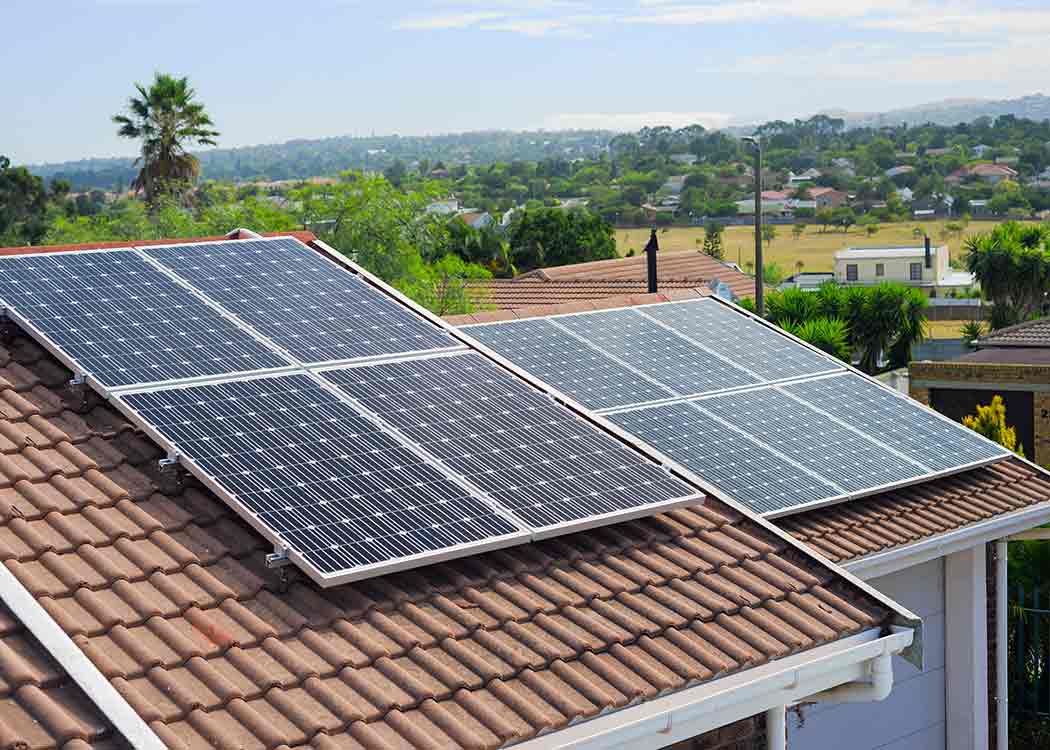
990, 421
883, 320
23, 205
1012, 264
554, 237
830, 335
769, 233
797, 230
971, 331
772, 274
167, 120
444, 286
713, 240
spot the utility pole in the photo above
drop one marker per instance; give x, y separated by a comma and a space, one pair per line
760, 304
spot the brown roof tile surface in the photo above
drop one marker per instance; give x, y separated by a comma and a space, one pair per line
862, 527
166, 592
1032, 333
672, 266
513, 294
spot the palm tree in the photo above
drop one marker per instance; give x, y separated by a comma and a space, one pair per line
167, 120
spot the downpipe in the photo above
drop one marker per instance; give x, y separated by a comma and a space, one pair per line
877, 689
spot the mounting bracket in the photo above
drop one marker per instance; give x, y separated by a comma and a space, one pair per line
278, 558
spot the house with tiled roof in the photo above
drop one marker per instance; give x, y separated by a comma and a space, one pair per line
138, 609
937, 546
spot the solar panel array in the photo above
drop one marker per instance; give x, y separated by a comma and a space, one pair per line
356, 434
772, 422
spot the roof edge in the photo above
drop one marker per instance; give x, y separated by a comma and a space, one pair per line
76, 664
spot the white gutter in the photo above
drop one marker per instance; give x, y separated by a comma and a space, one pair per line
689, 712
76, 664
1002, 675
1032, 535
863, 692
909, 555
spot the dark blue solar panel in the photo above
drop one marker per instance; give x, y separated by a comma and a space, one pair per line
325, 480
529, 454
303, 302
124, 322
545, 350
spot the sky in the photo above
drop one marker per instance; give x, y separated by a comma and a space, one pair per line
273, 71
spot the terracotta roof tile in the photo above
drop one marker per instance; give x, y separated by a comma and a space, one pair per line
168, 596
1032, 333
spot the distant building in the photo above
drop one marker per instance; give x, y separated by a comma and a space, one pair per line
866, 266
825, 197
993, 173
939, 151
674, 184
934, 207
810, 175
807, 281
980, 150
905, 194
449, 206
687, 159
979, 209
899, 170
476, 219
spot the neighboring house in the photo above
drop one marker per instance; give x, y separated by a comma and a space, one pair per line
925, 268
138, 610
807, 281
1013, 363
794, 180
899, 170
476, 219
981, 150
774, 195
674, 184
673, 266
933, 207
931, 545
746, 207
905, 194
845, 166
935, 152
979, 209
993, 173
686, 159
449, 206
570, 203
826, 197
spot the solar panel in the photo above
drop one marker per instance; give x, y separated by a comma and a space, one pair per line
317, 475
532, 456
897, 422
807, 437
744, 341
557, 357
656, 351
115, 317
745, 469
306, 304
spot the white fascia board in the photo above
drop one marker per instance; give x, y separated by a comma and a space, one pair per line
689, 712
909, 555
99, 690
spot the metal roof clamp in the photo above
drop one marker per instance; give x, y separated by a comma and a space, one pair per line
171, 476
80, 398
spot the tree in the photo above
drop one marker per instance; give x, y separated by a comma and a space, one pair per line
23, 205
990, 421
713, 240
830, 335
769, 233
772, 274
844, 217
824, 217
797, 230
167, 119
871, 229
447, 287
1012, 264
554, 237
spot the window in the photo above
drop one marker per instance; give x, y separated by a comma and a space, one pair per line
851, 272
880, 269
916, 271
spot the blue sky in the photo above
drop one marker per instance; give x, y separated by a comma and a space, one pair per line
272, 71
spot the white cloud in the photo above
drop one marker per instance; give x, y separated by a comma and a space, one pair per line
630, 121
448, 21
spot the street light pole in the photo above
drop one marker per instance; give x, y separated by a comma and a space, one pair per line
760, 305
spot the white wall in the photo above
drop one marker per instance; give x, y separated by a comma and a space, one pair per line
912, 718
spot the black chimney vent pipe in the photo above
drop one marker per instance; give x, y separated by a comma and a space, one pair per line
651, 248
929, 256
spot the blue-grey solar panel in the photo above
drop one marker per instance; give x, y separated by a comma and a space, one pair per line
534, 457
543, 349
123, 321
897, 422
659, 353
303, 302
746, 342
326, 481
809, 438
744, 469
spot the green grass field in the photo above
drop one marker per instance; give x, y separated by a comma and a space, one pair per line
815, 249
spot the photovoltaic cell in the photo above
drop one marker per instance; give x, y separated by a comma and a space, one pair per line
747, 471
746, 342
123, 321
543, 349
324, 479
659, 353
529, 454
303, 302
896, 421
809, 438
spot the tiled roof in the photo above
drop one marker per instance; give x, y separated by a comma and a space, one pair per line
511, 294
167, 594
1032, 333
672, 265
861, 527
41, 708
1007, 355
